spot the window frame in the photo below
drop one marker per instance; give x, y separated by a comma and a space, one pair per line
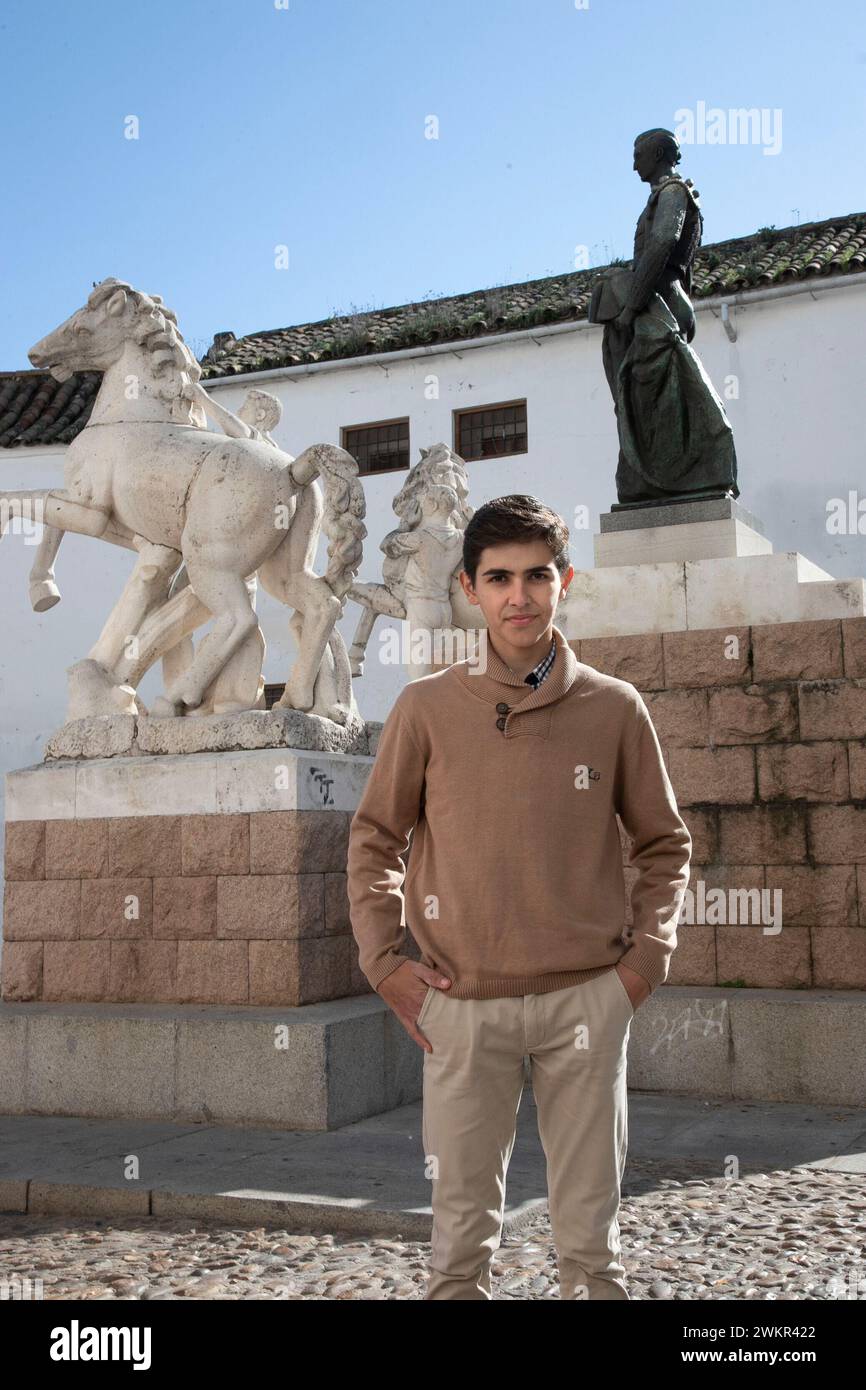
461, 411
375, 425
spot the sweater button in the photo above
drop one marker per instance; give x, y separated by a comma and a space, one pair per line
502, 709
500, 723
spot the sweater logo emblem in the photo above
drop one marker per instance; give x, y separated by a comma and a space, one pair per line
583, 775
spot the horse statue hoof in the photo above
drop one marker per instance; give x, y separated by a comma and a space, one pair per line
163, 708
43, 595
124, 697
93, 691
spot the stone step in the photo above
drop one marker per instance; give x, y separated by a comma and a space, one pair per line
323, 1066
739, 591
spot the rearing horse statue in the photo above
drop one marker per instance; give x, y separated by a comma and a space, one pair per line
145, 472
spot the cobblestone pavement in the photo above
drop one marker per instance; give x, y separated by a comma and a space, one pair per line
789, 1234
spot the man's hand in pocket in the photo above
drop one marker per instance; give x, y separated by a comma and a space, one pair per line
636, 987
405, 990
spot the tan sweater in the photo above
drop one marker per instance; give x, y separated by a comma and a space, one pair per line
514, 882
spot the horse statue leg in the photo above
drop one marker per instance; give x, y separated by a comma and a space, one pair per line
377, 600
363, 633
44, 592
226, 596
288, 575
96, 684
240, 685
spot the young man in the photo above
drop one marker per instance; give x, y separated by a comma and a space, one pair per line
509, 782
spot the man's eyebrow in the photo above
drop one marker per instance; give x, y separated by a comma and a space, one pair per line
500, 569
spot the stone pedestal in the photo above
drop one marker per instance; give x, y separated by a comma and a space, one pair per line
697, 565
202, 878
177, 940
699, 530
763, 732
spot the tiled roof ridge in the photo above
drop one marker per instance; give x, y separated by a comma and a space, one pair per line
776, 234
765, 257
35, 409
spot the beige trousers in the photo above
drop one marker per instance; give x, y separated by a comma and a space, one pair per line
576, 1039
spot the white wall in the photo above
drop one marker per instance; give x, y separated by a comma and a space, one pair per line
799, 426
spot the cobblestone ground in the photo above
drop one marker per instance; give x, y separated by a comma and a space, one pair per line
795, 1234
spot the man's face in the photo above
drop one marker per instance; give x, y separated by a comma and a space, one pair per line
645, 159
517, 587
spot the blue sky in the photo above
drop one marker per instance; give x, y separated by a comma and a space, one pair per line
305, 127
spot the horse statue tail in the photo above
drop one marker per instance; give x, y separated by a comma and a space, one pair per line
344, 509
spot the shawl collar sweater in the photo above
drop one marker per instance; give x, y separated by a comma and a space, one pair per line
508, 819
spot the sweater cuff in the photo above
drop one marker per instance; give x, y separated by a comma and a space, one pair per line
647, 964
385, 966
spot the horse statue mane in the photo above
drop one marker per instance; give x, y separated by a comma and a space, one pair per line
155, 329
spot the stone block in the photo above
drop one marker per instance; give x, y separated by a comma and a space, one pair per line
857, 770
25, 849
295, 842
761, 961
703, 827
837, 834
854, 646
215, 844
797, 1047
42, 911
212, 972
271, 906
798, 651
22, 970
117, 907
636, 659
712, 657
823, 895
694, 960
143, 971
679, 717
76, 848
839, 957
68, 1071
145, 846
300, 972
75, 970
185, 909
768, 834
833, 709
337, 917
803, 772
721, 775
752, 714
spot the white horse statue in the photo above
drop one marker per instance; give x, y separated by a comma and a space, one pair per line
146, 473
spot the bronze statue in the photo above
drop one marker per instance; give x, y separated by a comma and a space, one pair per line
675, 440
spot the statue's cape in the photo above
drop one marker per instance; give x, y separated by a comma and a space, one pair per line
673, 427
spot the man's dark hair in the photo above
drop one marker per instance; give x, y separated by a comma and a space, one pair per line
516, 517
666, 138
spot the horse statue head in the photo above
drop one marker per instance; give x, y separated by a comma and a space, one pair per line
121, 330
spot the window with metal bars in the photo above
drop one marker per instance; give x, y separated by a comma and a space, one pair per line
379, 447
491, 430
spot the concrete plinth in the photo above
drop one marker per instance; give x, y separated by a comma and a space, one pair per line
327, 1065
697, 565
312, 1068
628, 600
699, 530
197, 878
178, 944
